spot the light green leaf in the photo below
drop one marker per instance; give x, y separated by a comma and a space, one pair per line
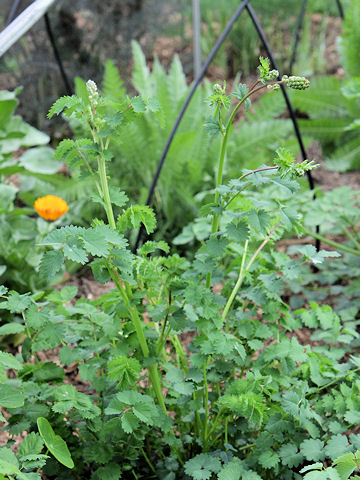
54, 443
10, 397
11, 329
231, 471
40, 160
9, 361
50, 264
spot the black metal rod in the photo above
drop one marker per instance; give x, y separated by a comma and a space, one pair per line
195, 84
57, 55
297, 34
341, 10
12, 12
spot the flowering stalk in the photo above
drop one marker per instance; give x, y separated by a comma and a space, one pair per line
122, 287
266, 75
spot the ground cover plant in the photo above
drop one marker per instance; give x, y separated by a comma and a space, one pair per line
189, 369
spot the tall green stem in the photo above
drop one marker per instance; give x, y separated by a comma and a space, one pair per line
216, 216
237, 285
133, 313
244, 270
206, 406
105, 191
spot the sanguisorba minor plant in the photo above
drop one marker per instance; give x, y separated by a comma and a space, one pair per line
175, 380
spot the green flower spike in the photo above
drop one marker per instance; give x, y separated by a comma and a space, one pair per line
297, 83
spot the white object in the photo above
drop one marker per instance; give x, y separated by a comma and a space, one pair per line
196, 36
23, 23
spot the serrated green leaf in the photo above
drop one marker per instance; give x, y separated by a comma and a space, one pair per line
337, 445
269, 459
9, 464
136, 215
138, 104
231, 471
129, 422
16, 303
290, 456
8, 361
259, 220
95, 242
124, 370
11, 329
118, 197
73, 250
50, 264
312, 449
10, 397
32, 444
202, 466
112, 471
61, 104
150, 247
238, 232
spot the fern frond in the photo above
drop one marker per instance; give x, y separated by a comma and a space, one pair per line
176, 80
322, 99
346, 157
350, 40
112, 85
141, 73
325, 129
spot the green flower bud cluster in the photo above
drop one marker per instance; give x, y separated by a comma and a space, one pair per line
218, 89
297, 83
272, 75
275, 86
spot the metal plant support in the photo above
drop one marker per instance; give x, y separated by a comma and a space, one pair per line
57, 55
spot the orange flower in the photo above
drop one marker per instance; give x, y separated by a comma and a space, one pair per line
51, 207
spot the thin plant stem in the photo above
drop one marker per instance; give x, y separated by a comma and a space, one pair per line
148, 460
206, 405
324, 387
215, 422
105, 190
331, 242
245, 447
226, 430
262, 169
356, 461
197, 418
134, 315
237, 285
223, 149
243, 272
351, 237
